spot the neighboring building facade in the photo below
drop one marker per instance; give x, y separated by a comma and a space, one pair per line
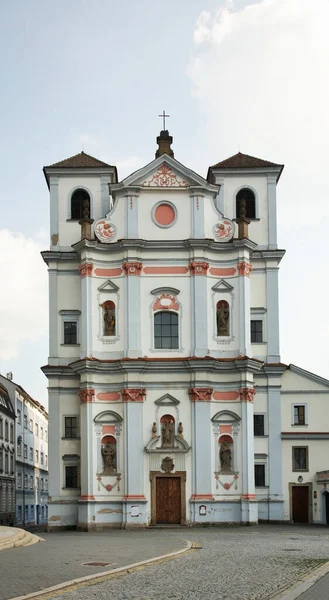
7, 459
165, 382
31, 469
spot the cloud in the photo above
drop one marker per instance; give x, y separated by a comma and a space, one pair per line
24, 294
259, 76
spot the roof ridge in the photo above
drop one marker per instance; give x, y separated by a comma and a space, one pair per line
80, 160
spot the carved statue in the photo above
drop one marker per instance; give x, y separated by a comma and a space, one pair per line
243, 208
109, 458
154, 429
167, 433
225, 456
85, 209
167, 464
223, 313
108, 320
180, 429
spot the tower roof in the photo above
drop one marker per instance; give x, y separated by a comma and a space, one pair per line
245, 161
79, 161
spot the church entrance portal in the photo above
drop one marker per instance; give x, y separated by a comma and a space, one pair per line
168, 498
300, 503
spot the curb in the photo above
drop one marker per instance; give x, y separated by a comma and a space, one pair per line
302, 585
55, 589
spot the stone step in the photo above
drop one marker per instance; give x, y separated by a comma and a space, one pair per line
12, 537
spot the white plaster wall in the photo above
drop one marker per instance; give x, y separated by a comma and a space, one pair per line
258, 230
70, 231
182, 229
211, 217
69, 406
258, 289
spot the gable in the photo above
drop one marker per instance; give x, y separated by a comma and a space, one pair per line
222, 286
108, 287
295, 379
167, 400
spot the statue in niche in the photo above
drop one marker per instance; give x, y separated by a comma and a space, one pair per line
243, 208
180, 429
167, 435
225, 456
109, 459
154, 429
85, 209
223, 314
108, 319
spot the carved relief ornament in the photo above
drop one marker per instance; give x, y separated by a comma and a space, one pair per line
165, 177
86, 270
244, 268
86, 395
167, 464
165, 302
133, 268
200, 394
247, 394
199, 268
133, 394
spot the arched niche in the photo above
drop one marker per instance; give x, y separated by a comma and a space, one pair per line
108, 424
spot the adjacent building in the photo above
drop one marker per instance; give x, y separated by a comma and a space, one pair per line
7, 459
168, 400
31, 468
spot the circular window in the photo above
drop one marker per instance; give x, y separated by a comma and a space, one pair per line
164, 214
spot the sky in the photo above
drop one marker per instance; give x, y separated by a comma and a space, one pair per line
94, 76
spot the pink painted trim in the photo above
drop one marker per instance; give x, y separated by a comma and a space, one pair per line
223, 272
110, 396
87, 497
244, 268
164, 214
199, 268
133, 268
165, 270
248, 496
202, 497
226, 396
86, 270
200, 394
86, 395
108, 429
247, 394
133, 395
108, 272
225, 429
134, 497
172, 306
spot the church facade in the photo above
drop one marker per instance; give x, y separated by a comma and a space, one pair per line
167, 398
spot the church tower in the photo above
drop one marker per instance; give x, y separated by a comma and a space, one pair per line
164, 344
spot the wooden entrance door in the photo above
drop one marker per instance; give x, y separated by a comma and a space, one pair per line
300, 504
168, 500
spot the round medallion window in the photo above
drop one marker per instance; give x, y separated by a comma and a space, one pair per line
164, 214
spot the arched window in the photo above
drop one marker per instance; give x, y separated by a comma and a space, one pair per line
226, 453
223, 318
167, 430
245, 204
109, 322
80, 204
166, 330
109, 454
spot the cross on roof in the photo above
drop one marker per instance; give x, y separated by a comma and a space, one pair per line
164, 116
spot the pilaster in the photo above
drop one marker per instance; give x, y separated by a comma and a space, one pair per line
54, 444
247, 434
276, 511
105, 195
197, 216
86, 308
273, 335
133, 322
201, 443
53, 313
199, 332
244, 269
87, 444
54, 218
272, 212
132, 215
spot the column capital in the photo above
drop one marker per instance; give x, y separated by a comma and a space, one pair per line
198, 268
133, 394
133, 268
247, 394
86, 270
244, 268
200, 394
86, 395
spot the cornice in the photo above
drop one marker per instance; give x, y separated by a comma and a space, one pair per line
268, 255
275, 369
308, 375
52, 255
58, 371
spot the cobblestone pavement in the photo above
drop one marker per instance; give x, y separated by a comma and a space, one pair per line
246, 563
318, 591
249, 563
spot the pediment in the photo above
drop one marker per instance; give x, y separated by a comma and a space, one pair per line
166, 400
180, 446
222, 286
225, 416
108, 416
109, 287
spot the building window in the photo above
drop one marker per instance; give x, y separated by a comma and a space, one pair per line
19, 449
166, 330
11, 433
26, 513
256, 331
41, 432
25, 451
36, 429
41, 458
6, 463
46, 460
31, 425
245, 204
46, 435
71, 476
6, 431
37, 455
42, 512
31, 453
32, 512
70, 332
25, 482
71, 427
300, 414
259, 475
1, 428
12, 465
25, 421
259, 425
19, 513
300, 458
19, 480
223, 318
42, 484
1, 460
19, 417
31, 482
46, 485
80, 204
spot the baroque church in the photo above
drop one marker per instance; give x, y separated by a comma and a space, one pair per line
168, 402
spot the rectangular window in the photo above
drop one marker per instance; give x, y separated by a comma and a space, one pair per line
41, 457
31, 453
42, 486
25, 482
166, 331
26, 513
31, 425
259, 425
12, 465
1, 460
19, 449
19, 513
256, 331
36, 429
46, 435
70, 332
37, 455
11, 433
259, 475
32, 512
300, 458
46, 485
71, 476
1, 428
42, 512
31, 482
46, 460
6, 463
41, 432
299, 415
19, 480
25, 421
19, 417
6, 431
71, 427
25, 451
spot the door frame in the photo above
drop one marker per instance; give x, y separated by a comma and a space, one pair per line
310, 507
154, 475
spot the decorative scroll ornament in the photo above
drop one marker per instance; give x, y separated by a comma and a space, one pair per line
200, 394
166, 302
133, 395
132, 268
86, 395
199, 268
247, 394
226, 485
165, 177
244, 268
224, 230
86, 270
167, 465
105, 231
109, 487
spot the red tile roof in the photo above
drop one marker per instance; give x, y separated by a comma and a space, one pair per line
243, 161
79, 161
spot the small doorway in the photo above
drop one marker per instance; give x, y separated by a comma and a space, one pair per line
168, 501
300, 503
326, 506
